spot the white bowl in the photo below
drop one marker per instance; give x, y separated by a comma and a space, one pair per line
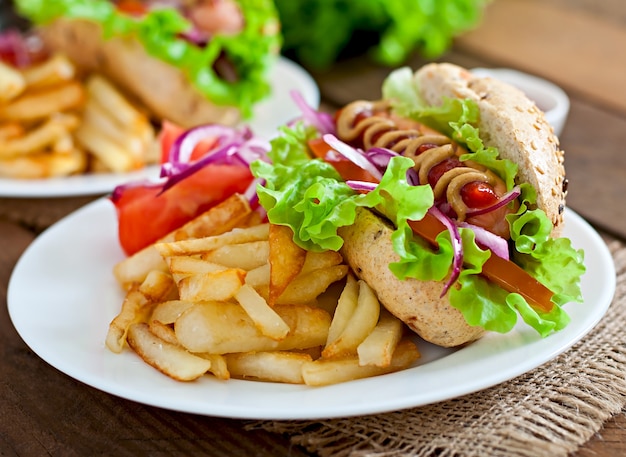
549, 97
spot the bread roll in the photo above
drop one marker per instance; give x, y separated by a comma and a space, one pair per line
510, 122
160, 87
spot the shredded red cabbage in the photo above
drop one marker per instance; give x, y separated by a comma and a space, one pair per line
457, 247
323, 122
355, 156
361, 185
496, 244
233, 147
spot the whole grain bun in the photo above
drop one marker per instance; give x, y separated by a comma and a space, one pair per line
510, 122
368, 250
160, 87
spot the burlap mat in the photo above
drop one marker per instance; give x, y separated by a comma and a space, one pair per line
550, 411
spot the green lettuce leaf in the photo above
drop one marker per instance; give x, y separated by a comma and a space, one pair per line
319, 32
252, 52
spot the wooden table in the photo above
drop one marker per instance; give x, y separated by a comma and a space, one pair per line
576, 43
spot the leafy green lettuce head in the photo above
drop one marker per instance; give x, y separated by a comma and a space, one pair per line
251, 52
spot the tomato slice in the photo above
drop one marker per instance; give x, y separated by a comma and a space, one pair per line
346, 169
508, 275
170, 132
131, 7
145, 216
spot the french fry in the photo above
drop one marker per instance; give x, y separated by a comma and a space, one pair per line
136, 307
113, 101
286, 259
264, 317
209, 243
361, 323
39, 138
168, 311
181, 266
246, 256
216, 285
323, 372
278, 366
319, 260
221, 328
33, 106
345, 309
379, 346
12, 83
11, 130
53, 71
219, 368
168, 358
114, 156
158, 286
96, 117
44, 165
220, 219
306, 288
259, 278
163, 332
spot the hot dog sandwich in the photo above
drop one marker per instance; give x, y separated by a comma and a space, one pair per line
446, 196
191, 62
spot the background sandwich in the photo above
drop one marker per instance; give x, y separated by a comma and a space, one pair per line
191, 62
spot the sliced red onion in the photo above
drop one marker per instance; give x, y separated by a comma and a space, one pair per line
361, 185
353, 155
183, 147
323, 122
502, 201
496, 244
412, 177
380, 157
118, 192
457, 247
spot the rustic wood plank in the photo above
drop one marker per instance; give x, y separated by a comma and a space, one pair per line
584, 53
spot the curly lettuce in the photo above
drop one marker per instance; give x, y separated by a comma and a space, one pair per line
252, 51
319, 32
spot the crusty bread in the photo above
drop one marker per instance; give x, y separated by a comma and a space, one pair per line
161, 88
368, 250
512, 123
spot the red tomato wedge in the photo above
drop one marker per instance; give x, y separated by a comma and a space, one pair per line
144, 216
168, 135
131, 7
506, 274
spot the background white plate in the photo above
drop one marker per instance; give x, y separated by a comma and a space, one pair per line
269, 114
62, 296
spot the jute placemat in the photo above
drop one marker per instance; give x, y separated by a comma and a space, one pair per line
548, 412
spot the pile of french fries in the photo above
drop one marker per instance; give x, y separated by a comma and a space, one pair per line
229, 296
54, 123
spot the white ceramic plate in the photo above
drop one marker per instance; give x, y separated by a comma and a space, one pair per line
62, 296
277, 110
